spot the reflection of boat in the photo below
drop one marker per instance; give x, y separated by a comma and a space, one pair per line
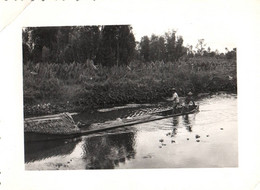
64, 120
35, 136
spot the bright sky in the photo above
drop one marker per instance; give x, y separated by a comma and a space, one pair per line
213, 21
216, 37
216, 21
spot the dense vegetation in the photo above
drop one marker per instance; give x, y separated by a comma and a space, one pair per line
107, 45
78, 68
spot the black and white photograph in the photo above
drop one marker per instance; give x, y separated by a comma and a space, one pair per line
97, 97
123, 94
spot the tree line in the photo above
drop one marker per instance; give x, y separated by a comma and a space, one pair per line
106, 45
168, 47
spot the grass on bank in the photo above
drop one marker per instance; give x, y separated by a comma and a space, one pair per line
83, 85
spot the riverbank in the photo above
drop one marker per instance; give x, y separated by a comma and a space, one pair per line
54, 88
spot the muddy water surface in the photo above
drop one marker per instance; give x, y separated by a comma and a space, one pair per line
204, 139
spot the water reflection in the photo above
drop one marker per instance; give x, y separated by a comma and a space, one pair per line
175, 123
187, 123
106, 152
45, 149
139, 146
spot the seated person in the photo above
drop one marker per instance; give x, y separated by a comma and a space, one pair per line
188, 101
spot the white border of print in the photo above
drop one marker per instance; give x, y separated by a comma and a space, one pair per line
243, 19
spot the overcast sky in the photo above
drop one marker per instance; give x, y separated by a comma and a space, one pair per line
218, 22
213, 21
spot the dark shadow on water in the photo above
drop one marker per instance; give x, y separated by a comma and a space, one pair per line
35, 151
186, 120
175, 123
187, 123
108, 151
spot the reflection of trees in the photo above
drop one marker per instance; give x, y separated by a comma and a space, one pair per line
106, 152
46, 149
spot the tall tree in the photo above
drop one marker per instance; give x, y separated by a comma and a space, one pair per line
162, 49
145, 49
190, 51
117, 45
154, 47
63, 37
157, 48
26, 45
125, 45
40, 37
170, 45
231, 54
88, 42
180, 50
200, 46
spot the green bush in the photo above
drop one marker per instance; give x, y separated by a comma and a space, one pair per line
86, 85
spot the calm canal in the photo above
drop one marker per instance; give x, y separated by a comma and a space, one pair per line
204, 139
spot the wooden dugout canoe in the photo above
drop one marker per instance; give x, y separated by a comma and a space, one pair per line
62, 126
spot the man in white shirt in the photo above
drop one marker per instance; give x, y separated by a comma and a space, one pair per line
175, 99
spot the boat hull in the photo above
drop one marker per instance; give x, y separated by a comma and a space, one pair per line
98, 127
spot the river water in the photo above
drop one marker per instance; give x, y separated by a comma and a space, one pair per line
205, 139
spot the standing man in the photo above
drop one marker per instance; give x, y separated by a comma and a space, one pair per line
175, 99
